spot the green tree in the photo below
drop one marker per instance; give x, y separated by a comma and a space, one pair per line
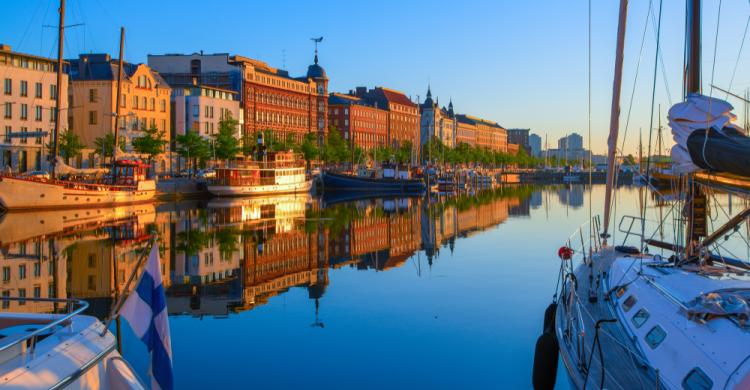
226, 145
309, 147
151, 143
336, 149
403, 154
70, 145
192, 147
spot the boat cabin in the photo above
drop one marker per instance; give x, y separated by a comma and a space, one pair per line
130, 172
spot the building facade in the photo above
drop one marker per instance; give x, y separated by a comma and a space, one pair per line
482, 133
201, 108
285, 105
520, 137
436, 122
403, 114
28, 101
572, 141
144, 101
360, 123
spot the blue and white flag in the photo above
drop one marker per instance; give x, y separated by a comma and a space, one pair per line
146, 312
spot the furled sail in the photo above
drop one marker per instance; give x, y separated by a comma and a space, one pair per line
706, 137
64, 169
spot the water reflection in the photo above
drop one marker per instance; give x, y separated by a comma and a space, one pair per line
231, 255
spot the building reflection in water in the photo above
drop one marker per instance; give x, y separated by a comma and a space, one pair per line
231, 255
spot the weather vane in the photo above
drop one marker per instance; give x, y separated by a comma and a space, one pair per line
316, 40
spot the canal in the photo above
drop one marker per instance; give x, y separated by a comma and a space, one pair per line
332, 292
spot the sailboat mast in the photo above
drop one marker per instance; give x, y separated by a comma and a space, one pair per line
118, 101
614, 120
696, 216
60, 40
658, 137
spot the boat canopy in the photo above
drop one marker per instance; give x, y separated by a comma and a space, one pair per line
706, 137
64, 169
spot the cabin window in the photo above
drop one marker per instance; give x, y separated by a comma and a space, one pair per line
621, 291
696, 379
629, 302
640, 317
655, 336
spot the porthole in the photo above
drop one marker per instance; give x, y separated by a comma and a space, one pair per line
621, 291
696, 379
629, 302
655, 336
640, 317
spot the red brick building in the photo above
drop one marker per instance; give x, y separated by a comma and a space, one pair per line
403, 114
275, 101
359, 122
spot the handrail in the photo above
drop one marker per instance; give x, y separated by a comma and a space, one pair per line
32, 335
70, 184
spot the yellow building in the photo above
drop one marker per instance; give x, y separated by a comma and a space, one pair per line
144, 101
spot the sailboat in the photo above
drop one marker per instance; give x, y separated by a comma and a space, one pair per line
627, 319
125, 184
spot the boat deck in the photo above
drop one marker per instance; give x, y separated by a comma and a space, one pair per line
576, 329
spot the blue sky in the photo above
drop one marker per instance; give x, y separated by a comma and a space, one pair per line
520, 63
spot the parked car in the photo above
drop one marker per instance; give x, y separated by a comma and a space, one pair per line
208, 173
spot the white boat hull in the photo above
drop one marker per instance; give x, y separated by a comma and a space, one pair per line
24, 194
261, 189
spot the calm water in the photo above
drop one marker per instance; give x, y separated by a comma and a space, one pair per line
293, 292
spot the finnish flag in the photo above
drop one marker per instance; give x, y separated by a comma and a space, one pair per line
146, 312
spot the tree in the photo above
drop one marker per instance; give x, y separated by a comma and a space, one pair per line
309, 147
335, 149
192, 147
403, 154
70, 145
151, 143
226, 145
105, 146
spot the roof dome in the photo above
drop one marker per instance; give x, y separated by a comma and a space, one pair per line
316, 71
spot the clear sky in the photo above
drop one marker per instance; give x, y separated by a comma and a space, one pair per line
520, 63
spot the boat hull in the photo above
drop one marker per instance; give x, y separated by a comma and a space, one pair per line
257, 190
342, 182
23, 194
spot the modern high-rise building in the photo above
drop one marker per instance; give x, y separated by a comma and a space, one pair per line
535, 144
28, 102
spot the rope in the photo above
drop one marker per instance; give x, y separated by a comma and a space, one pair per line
651, 122
591, 212
711, 91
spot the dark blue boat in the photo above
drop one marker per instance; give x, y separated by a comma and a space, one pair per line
344, 182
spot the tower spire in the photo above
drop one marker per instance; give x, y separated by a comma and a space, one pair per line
316, 40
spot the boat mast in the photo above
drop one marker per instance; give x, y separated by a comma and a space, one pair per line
117, 99
696, 215
56, 130
614, 120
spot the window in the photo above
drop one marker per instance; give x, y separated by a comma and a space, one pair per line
152, 104
37, 292
53, 91
7, 134
6, 303
163, 105
24, 111
24, 88
38, 139
6, 274
8, 110
24, 138
205, 131
696, 379
196, 111
92, 117
621, 291
206, 111
93, 95
38, 91
53, 114
123, 101
655, 336
22, 272
38, 113
144, 103
21, 294
8, 87
640, 317
135, 102
629, 302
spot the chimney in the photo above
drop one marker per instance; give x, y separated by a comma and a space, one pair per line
361, 91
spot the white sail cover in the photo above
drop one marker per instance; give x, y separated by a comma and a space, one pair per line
697, 112
64, 169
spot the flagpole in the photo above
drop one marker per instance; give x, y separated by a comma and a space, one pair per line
121, 298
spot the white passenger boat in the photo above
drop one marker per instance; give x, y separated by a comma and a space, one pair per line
60, 351
277, 173
129, 186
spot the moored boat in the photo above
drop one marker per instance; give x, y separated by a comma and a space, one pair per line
389, 182
129, 186
278, 173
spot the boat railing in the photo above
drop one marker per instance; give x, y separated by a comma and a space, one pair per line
61, 320
74, 185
